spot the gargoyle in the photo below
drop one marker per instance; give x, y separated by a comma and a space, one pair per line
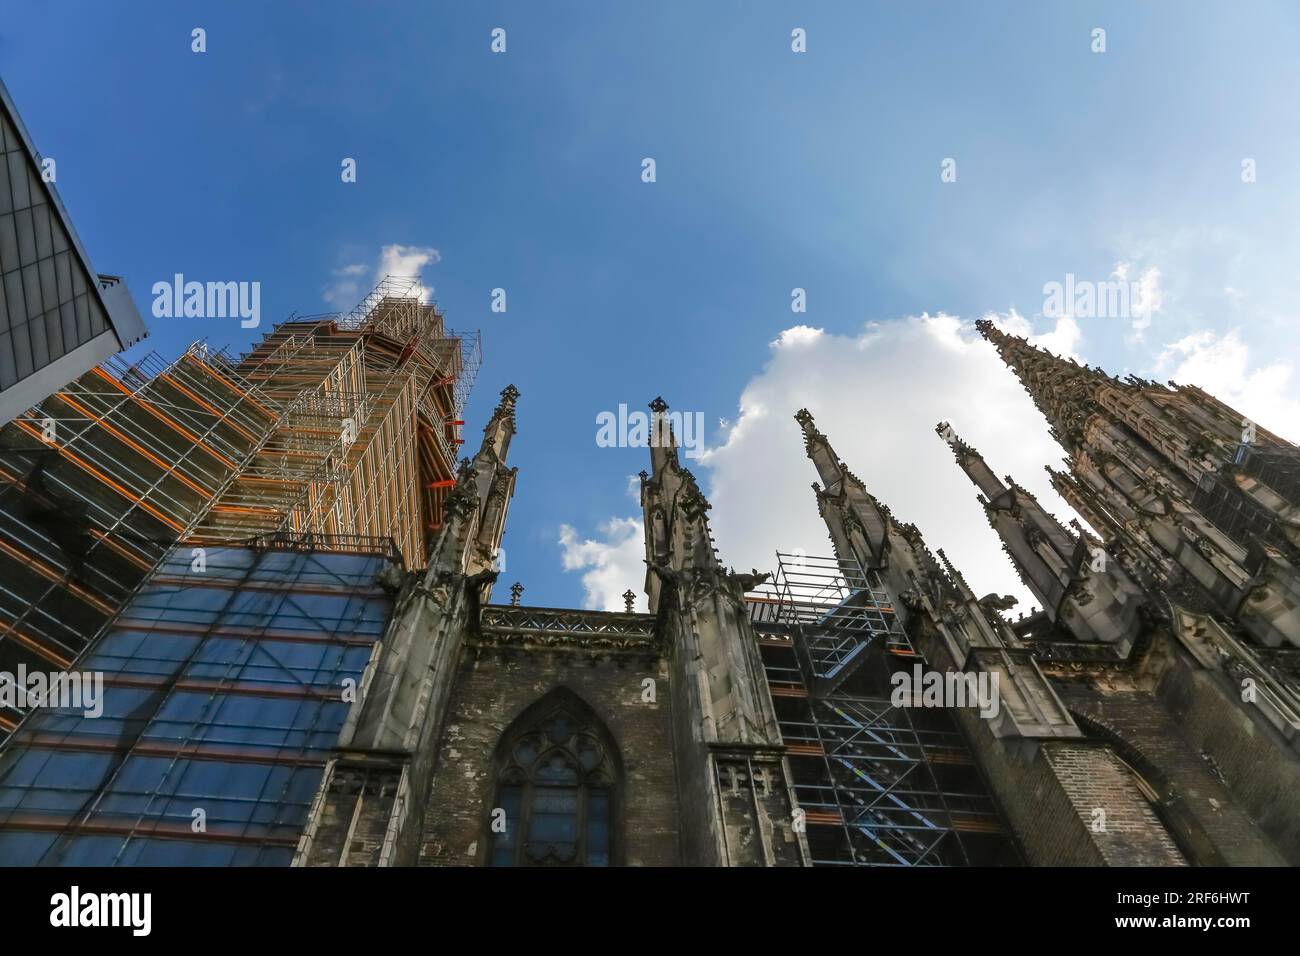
749, 581
996, 602
474, 593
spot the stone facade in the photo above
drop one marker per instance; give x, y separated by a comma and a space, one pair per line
494, 685
1148, 714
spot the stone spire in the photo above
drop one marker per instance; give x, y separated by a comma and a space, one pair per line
501, 426
1063, 390
677, 533
860, 526
1010, 497
1080, 588
663, 443
972, 463
718, 683
830, 469
930, 597
403, 705
476, 508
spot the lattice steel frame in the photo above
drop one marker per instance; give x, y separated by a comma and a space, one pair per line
880, 785
290, 470
837, 608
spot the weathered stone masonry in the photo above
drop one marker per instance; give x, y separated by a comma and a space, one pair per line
1150, 711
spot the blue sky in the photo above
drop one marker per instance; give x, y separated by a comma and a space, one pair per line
775, 170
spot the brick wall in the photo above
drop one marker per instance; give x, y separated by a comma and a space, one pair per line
1117, 819
1047, 792
1207, 818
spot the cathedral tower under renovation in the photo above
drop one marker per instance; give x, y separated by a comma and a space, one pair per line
290, 589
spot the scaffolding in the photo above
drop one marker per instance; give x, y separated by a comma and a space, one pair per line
333, 427
225, 689
838, 608
1277, 467
96, 482
396, 307
880, 785
367, 442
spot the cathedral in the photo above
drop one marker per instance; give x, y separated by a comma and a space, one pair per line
289, 589
250, 615
252, 606
1147, 714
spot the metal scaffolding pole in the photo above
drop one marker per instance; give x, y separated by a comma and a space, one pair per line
881, 785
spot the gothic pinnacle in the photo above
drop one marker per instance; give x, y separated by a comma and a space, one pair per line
811, 434
501, 426
971, 462
506, 407
1063, 390
945, 431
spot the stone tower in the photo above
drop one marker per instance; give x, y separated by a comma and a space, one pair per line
1172, 636
736, 807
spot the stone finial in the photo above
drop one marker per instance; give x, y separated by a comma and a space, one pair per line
516, 589
659, 406
811, 434
629, 599
505, 408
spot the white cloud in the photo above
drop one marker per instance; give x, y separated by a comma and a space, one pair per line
796, 336
1146, 298
398, 260
878, 397
610, 566
1220, 364
1149, 299
1062, 340
346, 289
1013, 323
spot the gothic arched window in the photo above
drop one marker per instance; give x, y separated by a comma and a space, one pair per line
556, 781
